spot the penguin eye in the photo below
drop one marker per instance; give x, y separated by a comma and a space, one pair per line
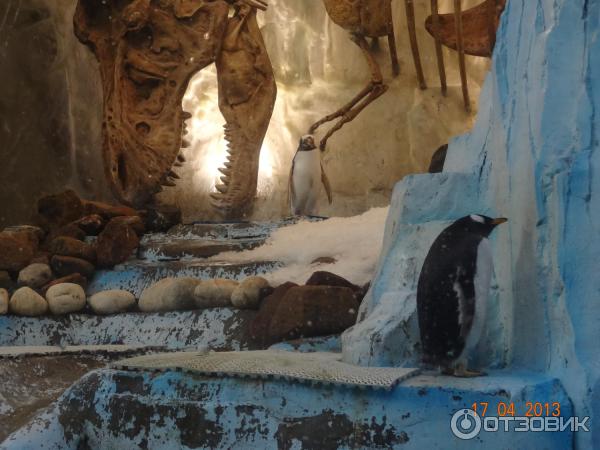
477, 218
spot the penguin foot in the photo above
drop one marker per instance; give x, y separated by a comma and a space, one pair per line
469, 373
461, 371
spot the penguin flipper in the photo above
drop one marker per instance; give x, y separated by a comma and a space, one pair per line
327, 185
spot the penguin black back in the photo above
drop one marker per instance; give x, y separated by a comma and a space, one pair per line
446, 290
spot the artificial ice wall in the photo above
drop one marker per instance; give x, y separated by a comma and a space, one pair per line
51, 100
533, 157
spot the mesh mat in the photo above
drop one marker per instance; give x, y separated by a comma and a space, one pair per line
319, 367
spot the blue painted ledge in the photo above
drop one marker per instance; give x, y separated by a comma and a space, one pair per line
110, 409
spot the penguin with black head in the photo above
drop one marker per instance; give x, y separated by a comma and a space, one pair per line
306, 176
452, 293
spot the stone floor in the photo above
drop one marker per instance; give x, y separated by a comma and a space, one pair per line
36, 364
31, 383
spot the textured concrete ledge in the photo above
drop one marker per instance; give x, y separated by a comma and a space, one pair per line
218, 329
120, 409
135, 277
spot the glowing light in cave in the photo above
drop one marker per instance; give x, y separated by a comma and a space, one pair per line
207, 152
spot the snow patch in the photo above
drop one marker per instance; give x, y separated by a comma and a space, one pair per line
354, 242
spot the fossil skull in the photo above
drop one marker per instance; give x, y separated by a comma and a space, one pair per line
148, 51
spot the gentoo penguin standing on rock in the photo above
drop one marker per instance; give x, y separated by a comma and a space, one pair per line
452, 293
306, 177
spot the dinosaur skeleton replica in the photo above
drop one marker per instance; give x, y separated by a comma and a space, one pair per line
373, 19
148, 51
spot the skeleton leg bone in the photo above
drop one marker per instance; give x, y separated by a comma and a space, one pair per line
349, 111
461, 371
460, 47
394, 53
438, 47
376, 91
414, 45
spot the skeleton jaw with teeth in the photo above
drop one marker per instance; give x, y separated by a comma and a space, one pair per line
148, 51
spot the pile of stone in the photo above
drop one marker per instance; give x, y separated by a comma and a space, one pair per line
177, 294
169, 294
63, 298
73, 239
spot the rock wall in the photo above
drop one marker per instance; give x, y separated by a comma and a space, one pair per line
49, 100
532, 157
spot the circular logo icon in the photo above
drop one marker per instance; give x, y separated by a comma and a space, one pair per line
465, 424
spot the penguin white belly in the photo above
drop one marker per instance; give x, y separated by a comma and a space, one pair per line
483, 278
306, 182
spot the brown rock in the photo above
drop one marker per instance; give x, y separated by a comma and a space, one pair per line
161, 218
17, 249
67, 265
322, 278
41, 258
134, 222
259, 327
6, 282
60, 209
92, 225
70, 230
74, 278
107, 211
66, 246
32, 231
116, 243
309, 311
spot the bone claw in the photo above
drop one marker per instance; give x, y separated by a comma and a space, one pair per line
225, 171
181, 158
222, 188
173, 174
184, 143
169, 183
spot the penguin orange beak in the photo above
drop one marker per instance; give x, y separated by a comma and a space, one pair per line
499, 220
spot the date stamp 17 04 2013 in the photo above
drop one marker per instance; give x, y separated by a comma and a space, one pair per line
467, 423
